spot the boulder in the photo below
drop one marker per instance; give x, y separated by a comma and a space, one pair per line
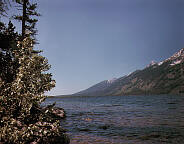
58, 113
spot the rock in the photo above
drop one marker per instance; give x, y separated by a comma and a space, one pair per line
58, 113
88, 119
84, 129
104, 127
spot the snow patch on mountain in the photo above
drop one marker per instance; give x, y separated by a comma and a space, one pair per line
178, 54
129, 73
176, 62
112, 80
151, 64
175, 59
160, 63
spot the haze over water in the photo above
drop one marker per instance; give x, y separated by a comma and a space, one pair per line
123, 119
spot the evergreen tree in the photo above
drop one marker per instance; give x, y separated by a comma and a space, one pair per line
3, 7
8, 64
28, 18
20, 98
23, 81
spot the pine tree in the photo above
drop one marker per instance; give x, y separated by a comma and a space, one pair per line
28, 18
23, 81
20, 98
8, 40
3, 7
22, 118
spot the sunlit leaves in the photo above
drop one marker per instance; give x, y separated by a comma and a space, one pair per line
19, 97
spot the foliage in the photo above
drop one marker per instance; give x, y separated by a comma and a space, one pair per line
8, 64
28, 18
3, 7
23, 81
22, 119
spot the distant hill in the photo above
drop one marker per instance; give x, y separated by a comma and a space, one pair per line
165, 77
97, 89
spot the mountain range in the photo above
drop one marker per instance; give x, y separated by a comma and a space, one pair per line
165, 77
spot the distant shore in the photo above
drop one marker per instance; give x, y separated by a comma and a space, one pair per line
64, 96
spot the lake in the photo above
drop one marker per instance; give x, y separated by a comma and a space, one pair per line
123, 119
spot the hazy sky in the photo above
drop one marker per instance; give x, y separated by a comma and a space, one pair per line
88, 41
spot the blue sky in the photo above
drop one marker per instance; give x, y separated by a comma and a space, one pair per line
88, 41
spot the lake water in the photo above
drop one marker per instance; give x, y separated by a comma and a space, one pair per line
123, 119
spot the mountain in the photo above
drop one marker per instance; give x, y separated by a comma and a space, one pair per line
165, 77
98, 88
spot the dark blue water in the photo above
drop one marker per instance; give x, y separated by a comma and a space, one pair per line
123, 119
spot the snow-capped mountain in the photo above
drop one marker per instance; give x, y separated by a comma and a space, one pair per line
97, 88
151, 64
177, 55
175, 59
112, 80
165, 77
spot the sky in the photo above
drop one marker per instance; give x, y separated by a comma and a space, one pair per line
88, 41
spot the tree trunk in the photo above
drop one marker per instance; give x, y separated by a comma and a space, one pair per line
24, 18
